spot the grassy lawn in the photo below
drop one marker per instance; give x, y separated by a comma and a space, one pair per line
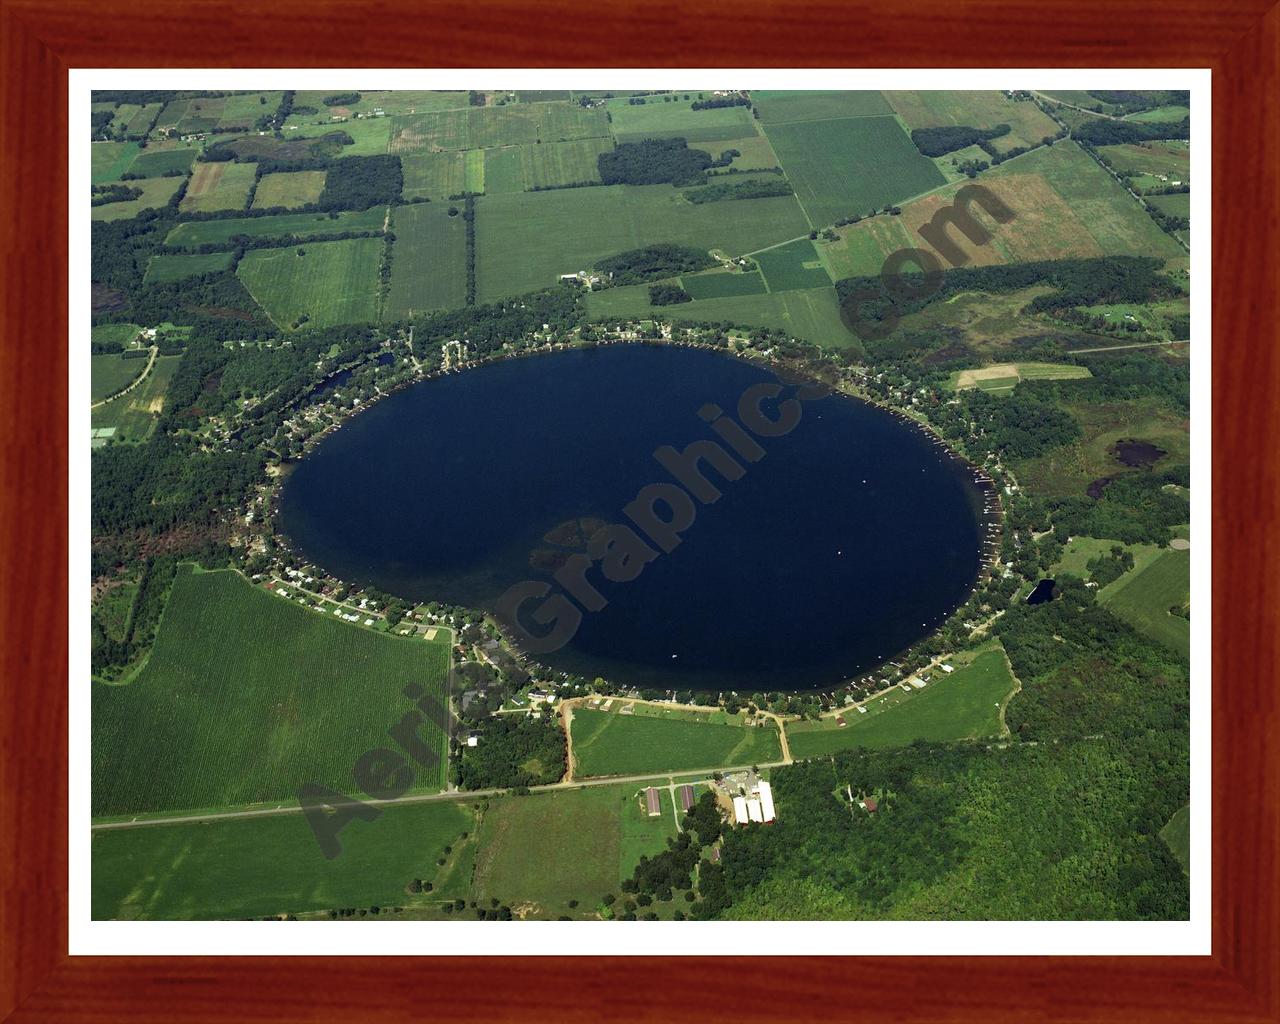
608, 743
428, 268
1143, 599
960, 706
570, 229
109, 374
328, 282
288, 189
1177, 836
246, 696
253, 867
296, 225
544, 850
174, 267
852, 165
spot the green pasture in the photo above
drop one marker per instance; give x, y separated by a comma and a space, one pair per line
327, 282
609, 743
176, 267
288, 188
190, 234
428, 266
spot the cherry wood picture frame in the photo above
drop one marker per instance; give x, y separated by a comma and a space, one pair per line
39, 41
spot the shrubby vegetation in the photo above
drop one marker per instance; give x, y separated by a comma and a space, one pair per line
514, 751
777, 186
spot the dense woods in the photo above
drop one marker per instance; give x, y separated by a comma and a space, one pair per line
759, 189
656, 162
652, 263
948, 138
514, 751
359, 182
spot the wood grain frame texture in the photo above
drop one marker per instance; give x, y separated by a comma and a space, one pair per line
1240, 41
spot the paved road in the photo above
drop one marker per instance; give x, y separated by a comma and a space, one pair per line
423, 798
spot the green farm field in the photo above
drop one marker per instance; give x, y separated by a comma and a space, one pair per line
572, 228
175, 267
658, 119
1143, 599
485, 127
238, 111
156, 192
255, 867
1014, 372
329, 283
1170, 113
369, 136
792, 267
297, 225
778, 106
288, 189
246, 696
1172, 158
1028, 124
110, 373
156, 164
134, 415
1177, 205
428, 266
549, 848
142, 121
961, 706
440, 175
221, 185
852, 165
203, 114
398, 101
122, 333
562, 163
1079, 551
813, 314
719, 284
608, 743
109, 160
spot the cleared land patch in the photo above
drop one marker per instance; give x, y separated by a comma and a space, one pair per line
608, 743
109, 160
962, 379
155, 164
1177, 836
110, 373
573, 228
1144, 597
327, 282
792, 267
156, 192
720, 284
1028, 124
254, 867
435, 175
223, 185
960, 706
801, 105
853, 165
247, 696
288, 189
298, 225
174, 267
657, 118
428, 269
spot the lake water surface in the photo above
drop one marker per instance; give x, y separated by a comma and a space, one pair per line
854, 536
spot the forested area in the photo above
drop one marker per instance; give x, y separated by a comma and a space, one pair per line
359, 182
652, 263
514, 751
761, 189
657, 162
948, 138
1113, 133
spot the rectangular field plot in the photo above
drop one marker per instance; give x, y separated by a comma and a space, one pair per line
288, 189
781, 105
813, 315
398, 101
1178, 204
719, 284
142, 121
329, 283
1028, 124
963, 705
255, 867
429, 260
155, 192
223, 185
563, 163
485, 127
1014, 372
656, 118
572, 228
1144, 598
172, 114
244, 111
607, 743
166, 267
550, 848
435, 175
851, 165
202, 115
246, 696
1171, 159
151, 164
296, 225
792, 267
503, 169
109, 160
133, 416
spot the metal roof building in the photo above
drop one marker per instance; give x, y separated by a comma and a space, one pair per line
686, 797
740, 809
653, 802
766, 800
753, 809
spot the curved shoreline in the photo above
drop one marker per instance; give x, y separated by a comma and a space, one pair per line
989, 516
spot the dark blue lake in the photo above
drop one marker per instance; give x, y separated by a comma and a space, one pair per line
851, 538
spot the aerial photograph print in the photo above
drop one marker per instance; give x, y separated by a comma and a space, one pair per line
721, 504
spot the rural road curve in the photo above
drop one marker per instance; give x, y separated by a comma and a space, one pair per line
155, 351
